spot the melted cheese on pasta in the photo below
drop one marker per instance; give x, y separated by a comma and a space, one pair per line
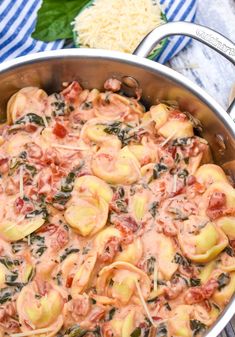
112, 219
116, 24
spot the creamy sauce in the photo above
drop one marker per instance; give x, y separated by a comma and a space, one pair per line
112, 222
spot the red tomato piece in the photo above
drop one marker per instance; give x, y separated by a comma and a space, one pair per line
59, 130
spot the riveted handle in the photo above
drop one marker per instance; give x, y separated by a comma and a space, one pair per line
203, 34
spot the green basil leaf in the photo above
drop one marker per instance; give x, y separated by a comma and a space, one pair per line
54, 19
67, 252
136, 332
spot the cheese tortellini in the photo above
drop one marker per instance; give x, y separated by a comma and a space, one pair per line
24, 102
222, 296
116, 167
108, 224
168, 126
210, 173
87, 215
124, 276
40, 311
204, 243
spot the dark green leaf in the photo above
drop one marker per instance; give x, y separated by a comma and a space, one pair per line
62, 197
161, 283
14, 164
67, 186
111, 313
197, 326
194, 282
121, 131
183, 173
87, 106
121, 192
17, 285
11, 278
31, 275
136, 332
75, 331
5, 295
151, 264
58, 105
59, 278
55, 17
179, 215
230, 251
182, 141
41, 211
85, 250
40, 250
186, 160
158, 170
31, 118
8, 262
177, 158
67, 252
17, 246
153, 208
32, 169
23, 155
178, 258
122, 205
168, 307
37, 239
67, 183
161, 330
223, 280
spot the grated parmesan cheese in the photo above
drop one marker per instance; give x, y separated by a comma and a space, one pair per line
144, 303
45, 121
117, 24
68, 147
174, 183
155, 276
168, 139
21, 178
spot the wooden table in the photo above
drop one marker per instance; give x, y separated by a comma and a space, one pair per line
207, 68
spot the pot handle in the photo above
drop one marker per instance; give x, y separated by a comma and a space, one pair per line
203, 34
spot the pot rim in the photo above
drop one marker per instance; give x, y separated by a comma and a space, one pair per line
124, 58
170, 74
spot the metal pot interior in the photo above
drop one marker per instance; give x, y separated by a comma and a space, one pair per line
91, 68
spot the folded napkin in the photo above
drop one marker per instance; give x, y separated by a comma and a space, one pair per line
18, 19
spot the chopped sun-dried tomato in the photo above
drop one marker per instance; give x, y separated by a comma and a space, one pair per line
59, 130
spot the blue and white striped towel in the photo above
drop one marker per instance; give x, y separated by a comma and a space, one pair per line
18, 19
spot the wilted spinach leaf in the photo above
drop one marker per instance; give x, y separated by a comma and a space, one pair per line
197, 326
136, 332
223, 280
158, 169
178, 258
161, 330
67, 252
31, 118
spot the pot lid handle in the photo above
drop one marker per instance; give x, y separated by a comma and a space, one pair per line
206, 35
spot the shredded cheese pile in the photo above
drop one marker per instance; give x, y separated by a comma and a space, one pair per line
116, 24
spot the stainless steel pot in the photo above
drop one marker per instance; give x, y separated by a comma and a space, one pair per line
92, 67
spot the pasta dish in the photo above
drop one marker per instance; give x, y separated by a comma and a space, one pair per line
114, 221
